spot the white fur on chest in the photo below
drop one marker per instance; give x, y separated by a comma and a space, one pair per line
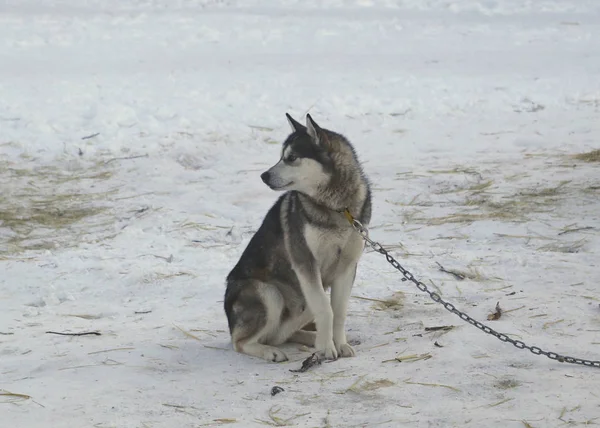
334, 251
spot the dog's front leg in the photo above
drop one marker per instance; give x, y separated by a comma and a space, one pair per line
318, 304
340, 296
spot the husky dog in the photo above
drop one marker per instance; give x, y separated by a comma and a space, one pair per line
304, 246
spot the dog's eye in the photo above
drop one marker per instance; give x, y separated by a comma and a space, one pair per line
292, 158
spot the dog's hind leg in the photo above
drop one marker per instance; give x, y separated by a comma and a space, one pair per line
255, 319
266, 352
291, 330
304, 337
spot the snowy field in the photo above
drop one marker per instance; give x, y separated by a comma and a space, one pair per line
132, 137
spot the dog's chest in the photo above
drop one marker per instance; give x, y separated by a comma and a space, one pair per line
334, 250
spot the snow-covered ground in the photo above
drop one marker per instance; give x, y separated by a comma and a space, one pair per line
132, 136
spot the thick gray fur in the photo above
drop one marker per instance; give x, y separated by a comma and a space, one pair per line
304, 247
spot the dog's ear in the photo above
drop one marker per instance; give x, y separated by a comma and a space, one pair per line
317, 134
296, 126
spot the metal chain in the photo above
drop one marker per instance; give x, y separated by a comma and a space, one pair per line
451, 308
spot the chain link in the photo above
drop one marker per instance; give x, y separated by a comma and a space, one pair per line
407, 276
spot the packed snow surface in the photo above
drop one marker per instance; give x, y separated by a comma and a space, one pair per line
132, 137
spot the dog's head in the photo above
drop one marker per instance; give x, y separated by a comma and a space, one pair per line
305, 163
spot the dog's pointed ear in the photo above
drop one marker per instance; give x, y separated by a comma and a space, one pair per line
312, 128
317, 134
296, 126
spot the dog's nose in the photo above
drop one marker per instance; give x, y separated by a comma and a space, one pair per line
265, 176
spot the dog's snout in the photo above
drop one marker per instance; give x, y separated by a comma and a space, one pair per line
265, 176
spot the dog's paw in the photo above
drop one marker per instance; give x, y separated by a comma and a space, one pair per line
344, 350
327, 352
275, 355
